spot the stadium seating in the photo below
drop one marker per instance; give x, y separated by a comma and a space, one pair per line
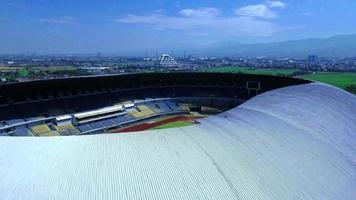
22, 131
158, 106
66, 129
40, 129
173, 105
84, 128
119, 119
128, 118
141, 111
43, 130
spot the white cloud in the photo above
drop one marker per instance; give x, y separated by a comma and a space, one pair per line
276, 4
264, 10
258, 10
251, 20
207, 21
200, 13
60, 20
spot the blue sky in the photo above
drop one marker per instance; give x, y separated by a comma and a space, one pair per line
124, 27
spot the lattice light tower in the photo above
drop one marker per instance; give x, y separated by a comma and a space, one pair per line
167, 61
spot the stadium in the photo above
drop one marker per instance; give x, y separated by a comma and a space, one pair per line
94, 105
234, 136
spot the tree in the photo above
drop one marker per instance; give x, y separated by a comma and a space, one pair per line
23, 72
351, 88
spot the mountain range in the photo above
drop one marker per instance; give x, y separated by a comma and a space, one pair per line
335, 46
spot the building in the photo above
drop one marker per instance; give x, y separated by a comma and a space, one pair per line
311, 60
289, 139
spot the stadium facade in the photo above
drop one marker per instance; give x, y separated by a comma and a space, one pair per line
286, 139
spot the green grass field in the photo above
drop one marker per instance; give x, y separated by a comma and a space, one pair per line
59, 68
173, 125
250, 70
338, 79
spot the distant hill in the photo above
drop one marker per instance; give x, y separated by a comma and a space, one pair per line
336, 46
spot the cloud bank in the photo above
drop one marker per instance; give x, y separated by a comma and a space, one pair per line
251, 20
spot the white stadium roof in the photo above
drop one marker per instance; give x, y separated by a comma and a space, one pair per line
297, 142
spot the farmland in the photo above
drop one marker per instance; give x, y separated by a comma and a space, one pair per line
251, 70
338, 79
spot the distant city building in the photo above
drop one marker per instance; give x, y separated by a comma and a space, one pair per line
311, 59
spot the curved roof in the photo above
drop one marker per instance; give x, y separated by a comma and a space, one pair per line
296, 142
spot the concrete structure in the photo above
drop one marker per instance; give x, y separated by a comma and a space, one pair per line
296, 142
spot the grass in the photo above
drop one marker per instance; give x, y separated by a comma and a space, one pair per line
54, 68
338, 79
61, 68
35, 68
251, 70
174, 125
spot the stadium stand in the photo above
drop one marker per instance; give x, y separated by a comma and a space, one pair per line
174, 105
84, 128
67, 129
43, 130
158, 106
21, 130
128, 118
141, 111
100, 119
33, 107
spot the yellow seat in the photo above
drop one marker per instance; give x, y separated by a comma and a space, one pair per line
141, 111
43, 130
145, 109
65, 127
40, 129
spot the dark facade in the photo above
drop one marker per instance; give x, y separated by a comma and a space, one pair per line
59, 88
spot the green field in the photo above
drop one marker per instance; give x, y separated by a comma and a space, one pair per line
173, 125
251, 70
58, 68
338, 79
